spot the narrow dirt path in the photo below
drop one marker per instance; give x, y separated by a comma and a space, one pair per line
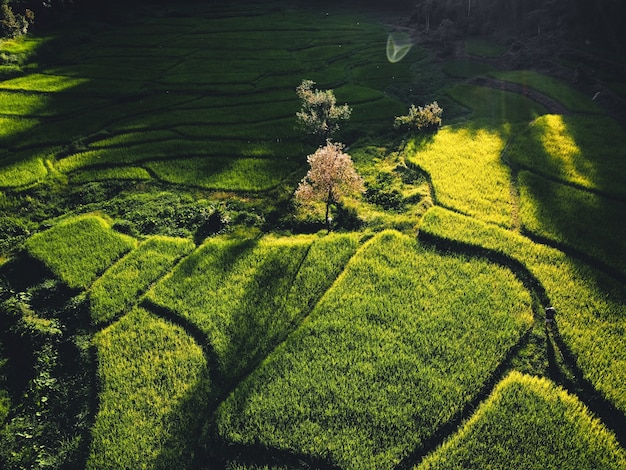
553, 106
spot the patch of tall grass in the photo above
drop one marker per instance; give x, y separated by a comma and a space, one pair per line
246, 295
79, 249
22, 104
572, 217
43, 83
590, 305
464, 165
556, 89
21, 173
399, 344
13, 128
154, 393
232, 174
589, 151
120, 286
496, 105
528, 422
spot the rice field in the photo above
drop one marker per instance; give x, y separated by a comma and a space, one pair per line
590, 303
522, 418
466, 171
259, 291
114, 292
225, 88
79, 249
153, 161
147, 367
403, 340
587, 151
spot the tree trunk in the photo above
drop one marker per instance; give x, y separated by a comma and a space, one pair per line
328, 202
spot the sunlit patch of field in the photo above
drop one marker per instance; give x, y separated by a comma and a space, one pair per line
466, 171
121, 285
148, 368
399, 344
590, 304
79, 249
514, 428
588, 151
257, 291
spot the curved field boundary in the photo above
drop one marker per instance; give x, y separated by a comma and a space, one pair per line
528, 422
552, 105
357, 380
590, 305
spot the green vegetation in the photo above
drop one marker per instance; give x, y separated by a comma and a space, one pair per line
571, 216
148, 369
499, 106
79, 249
556, 89
529, 423
119, 287
243, 174
252, 302
362, 381
464, 164
484, 48
590, 305
130, 140
587, 151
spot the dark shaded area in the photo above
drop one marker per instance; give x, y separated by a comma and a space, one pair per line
561, 367
50, 370
571, 377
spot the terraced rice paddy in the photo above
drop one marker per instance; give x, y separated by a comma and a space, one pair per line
206, 324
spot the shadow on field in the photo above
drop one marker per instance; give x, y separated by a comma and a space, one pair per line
572, 379
585, 224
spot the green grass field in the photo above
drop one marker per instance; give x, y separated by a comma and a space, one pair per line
198, 318
523, 418
79, 249
590, 304
260, 290
466, 171
121, 285
363, 381
582, 150
147, 369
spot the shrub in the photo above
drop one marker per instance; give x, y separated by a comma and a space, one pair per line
420, 118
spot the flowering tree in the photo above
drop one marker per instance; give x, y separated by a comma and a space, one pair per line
331, 176
320, 114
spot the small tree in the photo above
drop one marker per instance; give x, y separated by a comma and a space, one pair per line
419, 118
320, 114
331, 176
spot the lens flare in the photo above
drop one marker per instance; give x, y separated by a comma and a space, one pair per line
398, 46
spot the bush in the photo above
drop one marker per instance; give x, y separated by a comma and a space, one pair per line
427, 117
